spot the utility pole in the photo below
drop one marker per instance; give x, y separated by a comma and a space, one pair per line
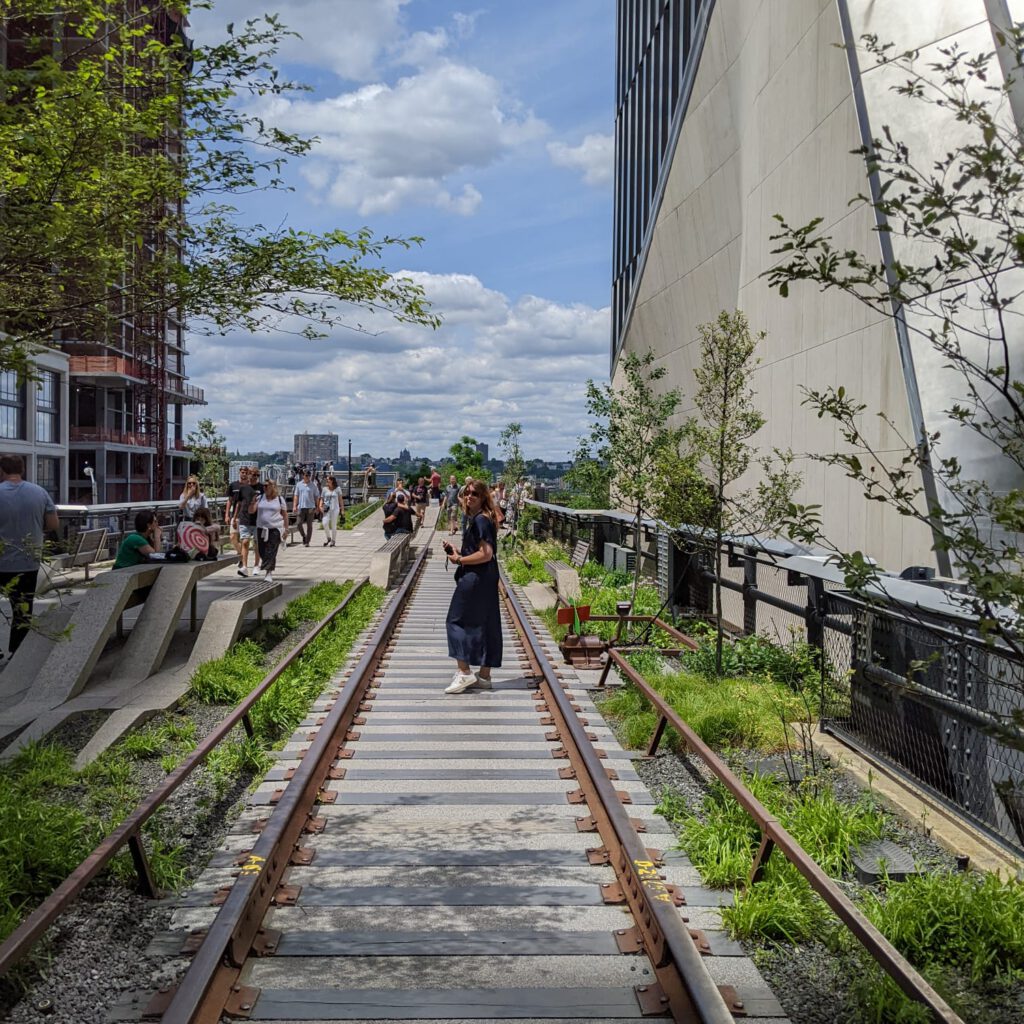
350, 469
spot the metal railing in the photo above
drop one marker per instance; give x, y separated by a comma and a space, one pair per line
911, 686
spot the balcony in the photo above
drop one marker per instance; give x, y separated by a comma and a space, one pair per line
100, 435
190, 395
105, 368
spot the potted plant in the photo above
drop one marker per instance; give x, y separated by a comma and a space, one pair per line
578, 647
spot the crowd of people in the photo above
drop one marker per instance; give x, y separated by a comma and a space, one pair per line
256, 516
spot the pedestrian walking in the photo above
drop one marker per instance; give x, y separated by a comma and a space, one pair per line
332, 506
243, 521
271, 515
451, 503
435, 485
474, 617
307, 497
26, 513
192, 498
462, 501
420, 496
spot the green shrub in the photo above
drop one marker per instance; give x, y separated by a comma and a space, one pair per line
795, 663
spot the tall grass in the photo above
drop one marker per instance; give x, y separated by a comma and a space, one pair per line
52, 816
723, 712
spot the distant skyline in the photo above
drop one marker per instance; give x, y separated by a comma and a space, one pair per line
485, 128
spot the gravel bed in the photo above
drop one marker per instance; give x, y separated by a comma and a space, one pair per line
812, 981
96, 950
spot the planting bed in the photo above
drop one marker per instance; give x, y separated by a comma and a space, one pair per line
97, 949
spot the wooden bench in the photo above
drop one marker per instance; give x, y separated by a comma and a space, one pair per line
225, 618
566, 579
91, 547
388, 560
566, 574
580, 554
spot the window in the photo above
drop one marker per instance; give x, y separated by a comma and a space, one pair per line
48, 407
48, 476
12, 407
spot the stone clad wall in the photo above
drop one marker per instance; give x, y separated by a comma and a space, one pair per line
769, 129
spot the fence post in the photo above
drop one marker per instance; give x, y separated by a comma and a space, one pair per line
814, 616
749, 588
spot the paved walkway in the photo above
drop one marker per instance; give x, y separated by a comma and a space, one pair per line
298, 568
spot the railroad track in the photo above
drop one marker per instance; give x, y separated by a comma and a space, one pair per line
419, 856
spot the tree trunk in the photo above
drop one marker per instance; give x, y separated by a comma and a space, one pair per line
718, 605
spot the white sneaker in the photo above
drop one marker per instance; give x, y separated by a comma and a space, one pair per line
268, 578
461, 681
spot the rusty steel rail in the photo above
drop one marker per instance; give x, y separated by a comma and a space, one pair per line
774, 835
686, 988
210, 986
129, 832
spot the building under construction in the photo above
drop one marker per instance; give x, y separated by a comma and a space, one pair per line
125, 387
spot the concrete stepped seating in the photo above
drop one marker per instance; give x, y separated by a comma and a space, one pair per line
58, 667
146, 646
225, 617
57, 658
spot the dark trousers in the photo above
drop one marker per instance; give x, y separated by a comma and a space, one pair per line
20, 587
267, 547
306, 524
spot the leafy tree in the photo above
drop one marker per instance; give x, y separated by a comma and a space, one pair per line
629, 434
209, 457
107, 140
515, 464
467, 460
697, 487
589, 479
957, 286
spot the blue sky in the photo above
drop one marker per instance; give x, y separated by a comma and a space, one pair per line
487, 129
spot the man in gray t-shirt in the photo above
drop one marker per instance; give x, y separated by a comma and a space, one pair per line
26, 511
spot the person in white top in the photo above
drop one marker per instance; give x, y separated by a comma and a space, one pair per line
192, 498
332, 506
271, 519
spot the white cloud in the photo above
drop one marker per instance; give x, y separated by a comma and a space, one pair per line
594, 156
354, 49
492, 361
383, 146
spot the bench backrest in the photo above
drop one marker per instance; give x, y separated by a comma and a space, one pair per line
580, 554
91, 547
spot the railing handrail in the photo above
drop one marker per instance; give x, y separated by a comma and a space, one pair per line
885, 954
20, 941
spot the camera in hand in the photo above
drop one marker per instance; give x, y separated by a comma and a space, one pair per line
448, 549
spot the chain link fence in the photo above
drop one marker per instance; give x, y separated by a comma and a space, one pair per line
915, 690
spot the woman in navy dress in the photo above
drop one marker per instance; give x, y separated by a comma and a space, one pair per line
474, 617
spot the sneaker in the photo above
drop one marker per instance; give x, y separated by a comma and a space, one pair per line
269, 578
244, 573
461, 681
327, 543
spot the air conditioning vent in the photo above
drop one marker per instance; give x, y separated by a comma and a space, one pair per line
618, 558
